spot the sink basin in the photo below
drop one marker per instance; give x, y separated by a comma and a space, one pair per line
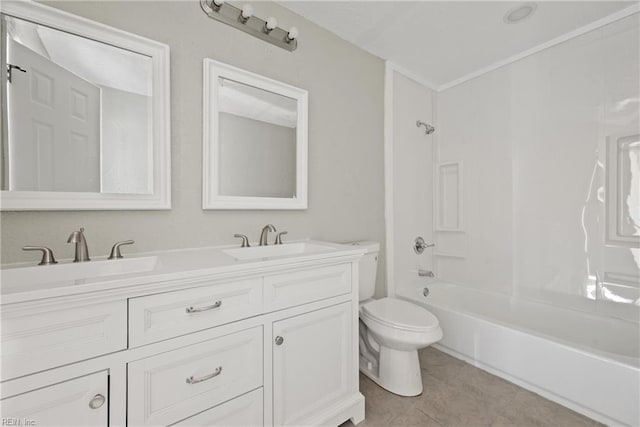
40, 274
287, 249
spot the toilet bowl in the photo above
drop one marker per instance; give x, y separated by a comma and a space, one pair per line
391, 333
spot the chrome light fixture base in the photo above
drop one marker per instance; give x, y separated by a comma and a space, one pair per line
231, 15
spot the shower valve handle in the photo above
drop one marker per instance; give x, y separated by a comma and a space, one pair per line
419, 245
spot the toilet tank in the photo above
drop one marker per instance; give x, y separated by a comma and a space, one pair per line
368, 268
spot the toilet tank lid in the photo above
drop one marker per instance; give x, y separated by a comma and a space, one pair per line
369, 245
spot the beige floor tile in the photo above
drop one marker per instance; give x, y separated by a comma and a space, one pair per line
530, 409
457, 394
414, 417
453, 405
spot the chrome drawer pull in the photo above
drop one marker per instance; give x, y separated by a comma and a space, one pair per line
194, 380
217, 304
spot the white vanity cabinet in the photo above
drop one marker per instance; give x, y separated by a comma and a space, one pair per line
172, 386
36, 337
77, 402
312, 362
265, 345
243, 411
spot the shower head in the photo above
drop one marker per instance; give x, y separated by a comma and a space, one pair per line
428, 129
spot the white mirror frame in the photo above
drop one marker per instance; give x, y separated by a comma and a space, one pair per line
211, 199
160, 198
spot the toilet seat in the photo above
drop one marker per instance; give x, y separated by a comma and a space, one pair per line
401, 315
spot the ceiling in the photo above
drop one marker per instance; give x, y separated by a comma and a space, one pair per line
444, 41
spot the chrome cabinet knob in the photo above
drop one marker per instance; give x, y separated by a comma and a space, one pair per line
97, 401
279, 340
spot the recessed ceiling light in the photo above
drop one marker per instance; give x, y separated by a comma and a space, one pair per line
520, 12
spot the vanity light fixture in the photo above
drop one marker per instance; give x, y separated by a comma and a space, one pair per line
291, 35
270, 24
243, 19
245, 13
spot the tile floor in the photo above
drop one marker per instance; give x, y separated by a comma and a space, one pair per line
458, 394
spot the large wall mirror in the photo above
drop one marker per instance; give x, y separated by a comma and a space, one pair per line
85, 114
255, 141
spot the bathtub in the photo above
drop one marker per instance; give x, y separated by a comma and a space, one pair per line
588, 363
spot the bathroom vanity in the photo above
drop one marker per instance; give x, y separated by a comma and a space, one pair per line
209, 336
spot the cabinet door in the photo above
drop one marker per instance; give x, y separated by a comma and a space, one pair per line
312, 363
78, 402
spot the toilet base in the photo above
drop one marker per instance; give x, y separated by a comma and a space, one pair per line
396, 371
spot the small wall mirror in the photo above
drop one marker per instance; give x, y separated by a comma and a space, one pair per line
255, 141
85, 114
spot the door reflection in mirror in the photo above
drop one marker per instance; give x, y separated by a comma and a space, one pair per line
79, 117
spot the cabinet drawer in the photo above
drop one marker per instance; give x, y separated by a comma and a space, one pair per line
172, 386
289, 289
33, 342
78, 402
156, 317
243, 411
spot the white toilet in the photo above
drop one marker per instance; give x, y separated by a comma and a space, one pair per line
391, 332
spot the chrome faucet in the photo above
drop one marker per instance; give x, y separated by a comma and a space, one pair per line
115, 249
47, 254
278, 240
265, 234
245, 240
82, 251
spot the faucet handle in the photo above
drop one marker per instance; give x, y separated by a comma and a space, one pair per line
279, 237
245, 240
47, 254
115, 250
419, 245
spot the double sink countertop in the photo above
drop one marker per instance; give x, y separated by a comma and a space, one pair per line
26, 282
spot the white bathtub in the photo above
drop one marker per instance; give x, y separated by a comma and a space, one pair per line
588, 363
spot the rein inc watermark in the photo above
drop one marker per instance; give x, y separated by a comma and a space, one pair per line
8, 421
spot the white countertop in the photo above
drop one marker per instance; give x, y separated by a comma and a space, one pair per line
28, 282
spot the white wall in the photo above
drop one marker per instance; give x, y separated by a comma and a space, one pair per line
346, 179
257, 158
412, 178
532, 138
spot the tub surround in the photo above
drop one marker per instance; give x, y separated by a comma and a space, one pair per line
546, 235
190, 337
